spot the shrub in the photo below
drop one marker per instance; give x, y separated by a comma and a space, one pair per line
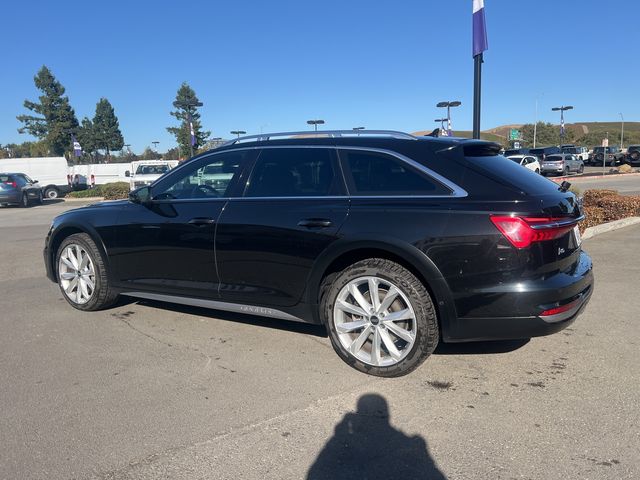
90, 192
110, 191
115, 191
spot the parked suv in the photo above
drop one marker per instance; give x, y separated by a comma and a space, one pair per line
633, 154
561, 164
582, 153
614, 155
19, 189
391, 241
542, 152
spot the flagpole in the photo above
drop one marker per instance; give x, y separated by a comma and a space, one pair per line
477, 90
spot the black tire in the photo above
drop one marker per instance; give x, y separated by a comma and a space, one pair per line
24, 201
39, 199
426, 323
581, 169
565, 172
103, 295
51, 193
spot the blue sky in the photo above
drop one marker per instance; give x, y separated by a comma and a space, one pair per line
275, 64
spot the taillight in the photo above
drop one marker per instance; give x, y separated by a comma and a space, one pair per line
523, 231
561, 309
11, 184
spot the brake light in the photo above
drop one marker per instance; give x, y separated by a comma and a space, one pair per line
11, 184
523, 231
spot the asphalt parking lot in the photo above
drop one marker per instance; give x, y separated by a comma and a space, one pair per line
149, 390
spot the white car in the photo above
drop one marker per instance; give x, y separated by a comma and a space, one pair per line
528, 161
145, 172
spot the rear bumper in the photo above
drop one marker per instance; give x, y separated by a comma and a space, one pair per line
10, 197
572, 288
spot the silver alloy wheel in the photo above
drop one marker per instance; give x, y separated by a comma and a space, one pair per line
375, 321
76, 274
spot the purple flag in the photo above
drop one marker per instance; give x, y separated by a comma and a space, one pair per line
480, 43
77, 149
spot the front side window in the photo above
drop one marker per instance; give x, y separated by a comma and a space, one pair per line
373, 173
210, 177
294, 172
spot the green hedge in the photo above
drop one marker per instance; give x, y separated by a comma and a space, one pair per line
110, 191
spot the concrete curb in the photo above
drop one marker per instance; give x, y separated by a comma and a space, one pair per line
598, 176
609, 227
85, 199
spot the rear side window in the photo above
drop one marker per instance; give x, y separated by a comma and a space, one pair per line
524, 179
373, 173
295, 172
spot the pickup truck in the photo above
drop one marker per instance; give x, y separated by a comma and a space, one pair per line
145, 172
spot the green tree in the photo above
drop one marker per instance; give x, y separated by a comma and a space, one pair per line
183, 133
106, 129
86, 138
54, 118
547, 135
149, 154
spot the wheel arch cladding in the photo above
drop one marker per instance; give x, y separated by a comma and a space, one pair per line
343, 254
66, 231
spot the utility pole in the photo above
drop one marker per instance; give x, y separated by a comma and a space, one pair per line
622, 132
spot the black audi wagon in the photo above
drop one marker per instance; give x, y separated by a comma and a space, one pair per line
392, 242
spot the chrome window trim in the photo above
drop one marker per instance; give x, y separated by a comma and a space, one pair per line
456, 191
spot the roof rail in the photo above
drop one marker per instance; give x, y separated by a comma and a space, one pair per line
264, 137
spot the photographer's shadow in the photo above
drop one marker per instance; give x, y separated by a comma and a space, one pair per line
365, 446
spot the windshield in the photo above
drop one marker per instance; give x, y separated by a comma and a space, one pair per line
554, 158
570, 150
152, 169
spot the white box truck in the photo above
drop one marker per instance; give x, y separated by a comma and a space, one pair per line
87, 176
50, 172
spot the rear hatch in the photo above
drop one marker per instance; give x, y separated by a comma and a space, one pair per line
533, 213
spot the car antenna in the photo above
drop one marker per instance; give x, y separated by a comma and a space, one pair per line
564, 186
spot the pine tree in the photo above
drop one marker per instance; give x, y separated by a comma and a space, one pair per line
86, 138
55, 120
183, 133
106, 129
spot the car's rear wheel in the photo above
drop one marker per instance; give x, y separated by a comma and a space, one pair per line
380, 317
24, 201
581, 169
82, 274
39, 199
565, 172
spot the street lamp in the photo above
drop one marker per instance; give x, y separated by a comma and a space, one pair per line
441, 120
562, 109
622, 132
127, 145
186, 105
315, 123
358, 129
449, 106
155, 146
237, 132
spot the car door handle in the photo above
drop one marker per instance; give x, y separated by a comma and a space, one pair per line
314, 223
200, 221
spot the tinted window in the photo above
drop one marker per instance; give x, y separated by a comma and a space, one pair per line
515, 159
210, 177
523, 179
372, 173
554, 158
294, 172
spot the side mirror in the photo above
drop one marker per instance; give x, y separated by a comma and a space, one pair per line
140, 196
34, 181
127, 173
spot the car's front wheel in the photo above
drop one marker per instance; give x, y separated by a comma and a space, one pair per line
380, 317
82, 274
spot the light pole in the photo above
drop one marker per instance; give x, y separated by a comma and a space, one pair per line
358, 129
441, 120
315, 123
127, 145
155, 146
237, 132
449, 105
562, 109
187, 105
622, 132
